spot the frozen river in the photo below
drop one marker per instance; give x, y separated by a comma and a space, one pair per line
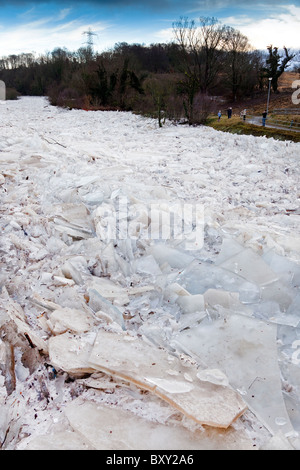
149, 284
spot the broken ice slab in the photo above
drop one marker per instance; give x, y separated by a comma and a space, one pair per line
72, 219
277, 442
85, 180
200, 276
172, 379
229, 248
98, 303
70, 319
70, 352
250, 266
40, 301
269, 310
227, 299
76, 214
7, 367
93, 199
17, 315
111, 262
245, 349
188, 303
109, 290
164, 253
280, 293
112, 428
76, 268
62, 440
72, 231
288, 270
146, 265
294, 308
191, 303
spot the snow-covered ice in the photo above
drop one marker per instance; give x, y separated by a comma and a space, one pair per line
149, 282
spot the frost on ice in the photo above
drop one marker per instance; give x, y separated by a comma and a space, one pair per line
149, 284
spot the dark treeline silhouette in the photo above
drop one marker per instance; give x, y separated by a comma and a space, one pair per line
174, 80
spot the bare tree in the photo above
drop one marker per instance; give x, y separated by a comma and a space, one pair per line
237, 63
200, 46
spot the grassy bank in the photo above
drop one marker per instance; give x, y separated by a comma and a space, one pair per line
236, 126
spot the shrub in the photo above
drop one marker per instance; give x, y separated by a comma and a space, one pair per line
12, 94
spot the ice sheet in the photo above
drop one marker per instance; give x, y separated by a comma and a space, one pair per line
79, 194
136, 361
114, 428
245, 350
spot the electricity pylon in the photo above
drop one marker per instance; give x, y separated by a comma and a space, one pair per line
90, 42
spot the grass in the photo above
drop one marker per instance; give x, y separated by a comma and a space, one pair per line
236, 126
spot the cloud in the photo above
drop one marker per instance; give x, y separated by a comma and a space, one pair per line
63, 13
46, 34
41, 27
279, 29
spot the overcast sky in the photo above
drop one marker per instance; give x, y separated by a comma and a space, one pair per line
39, 27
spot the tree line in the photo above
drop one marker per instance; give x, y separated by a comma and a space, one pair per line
174, 80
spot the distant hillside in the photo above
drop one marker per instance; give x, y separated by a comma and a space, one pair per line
257, 103
286, 80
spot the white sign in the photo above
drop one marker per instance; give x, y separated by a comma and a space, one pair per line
295, 99
2, 91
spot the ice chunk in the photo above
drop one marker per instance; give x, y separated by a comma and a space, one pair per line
277, 442
95, 198
164, 253
17, 315
70, 352
288, 270
278, 292
245, 350
61, 440
250, 266
294, 308
99, 303
60, 280
174, 290
249, 292
171, 386
215, 376
187, 302
270, 311
113, 428
85, 180
147, 265
200, 276
229, 248
76, 268
191, 303
68, 319
136, 361
72, 219
109, 290
220, 297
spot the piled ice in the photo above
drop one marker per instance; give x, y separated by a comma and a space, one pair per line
127, 320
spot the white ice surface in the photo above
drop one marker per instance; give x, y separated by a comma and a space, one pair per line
83, 198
